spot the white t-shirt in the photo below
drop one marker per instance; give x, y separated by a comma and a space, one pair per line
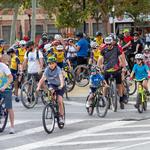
4, 72
33, 61
72, 52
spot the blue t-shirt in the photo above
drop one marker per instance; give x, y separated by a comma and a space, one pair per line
83, 51
140, 71
96, 79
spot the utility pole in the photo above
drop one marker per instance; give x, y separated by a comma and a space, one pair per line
33, 21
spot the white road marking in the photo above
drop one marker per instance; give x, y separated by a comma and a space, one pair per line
18, 122
33, 131
54, 141
105, 148
74, 103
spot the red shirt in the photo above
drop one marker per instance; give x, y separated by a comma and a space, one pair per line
127, 39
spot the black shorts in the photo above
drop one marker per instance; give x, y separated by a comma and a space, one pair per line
116, 75
81, 60
36, 76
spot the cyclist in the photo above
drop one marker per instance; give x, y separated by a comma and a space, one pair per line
146, 54
34, 59
111, 63
142, 72
99, 38
82, 47
95, 80
14, 68
6, 79
54, 77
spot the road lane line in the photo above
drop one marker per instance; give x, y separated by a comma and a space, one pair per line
54, 141
33, 131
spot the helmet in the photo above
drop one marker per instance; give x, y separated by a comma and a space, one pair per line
44, 34
29, 43
60, 47
51, 59
44, 38
93, 44
79, 34
47, 46
108, 40
10, 50
139, 56
22, 42
125, 30
98, 33
57, 37
135, 34
146, 48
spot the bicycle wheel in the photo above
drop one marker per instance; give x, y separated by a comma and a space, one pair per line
132, 85
61, 125
113, 94
44, 97
102, 105
48, 118
90, 109
140, 103
126, 89
3, 118
70, 81
28, 96
82, 74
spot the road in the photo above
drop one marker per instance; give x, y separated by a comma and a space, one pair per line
122, 130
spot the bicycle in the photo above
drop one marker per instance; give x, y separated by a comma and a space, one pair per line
3, 115
141, 97
29, 97
51, 113
82, 74
99, 101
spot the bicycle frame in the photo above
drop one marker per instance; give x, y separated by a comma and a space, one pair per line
141, 91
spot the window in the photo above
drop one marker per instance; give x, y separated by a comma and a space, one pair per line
39, 29
6, 30
51, 29
97, 27
81, 28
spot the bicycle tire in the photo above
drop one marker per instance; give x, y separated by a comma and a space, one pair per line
70, 81
48, 127
102, 106
131, 90
113, 99
140, 103
44, 97
83, 76
30, 100
3, 118
61, 126
90, 109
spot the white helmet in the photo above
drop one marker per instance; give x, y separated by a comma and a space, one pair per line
93, 44
47, 46
146, 48
60, 47
57, 37
108, 40
139, 56
22, 42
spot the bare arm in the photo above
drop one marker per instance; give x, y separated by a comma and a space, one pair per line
125, 46
61, 80
41, 82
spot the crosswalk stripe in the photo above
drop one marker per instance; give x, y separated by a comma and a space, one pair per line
33, 131
54, 141
105, 148
18, 122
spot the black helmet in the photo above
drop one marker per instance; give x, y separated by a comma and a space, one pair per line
44, 34
44, 38
10, 50
121, 36
29, 43
79, 34
135, 34
98, 33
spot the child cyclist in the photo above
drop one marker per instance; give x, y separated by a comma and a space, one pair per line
96, 78
141, 71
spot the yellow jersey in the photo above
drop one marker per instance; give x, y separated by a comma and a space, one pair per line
60, 55
99, 40
96, 54
1, 50
14, 62
21, 53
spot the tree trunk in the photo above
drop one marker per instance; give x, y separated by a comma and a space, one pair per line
33, 21
13, 26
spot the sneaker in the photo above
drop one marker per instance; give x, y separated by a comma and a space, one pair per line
88, 104
17, 99
12, 131
121, 105
125, 99
61, 120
